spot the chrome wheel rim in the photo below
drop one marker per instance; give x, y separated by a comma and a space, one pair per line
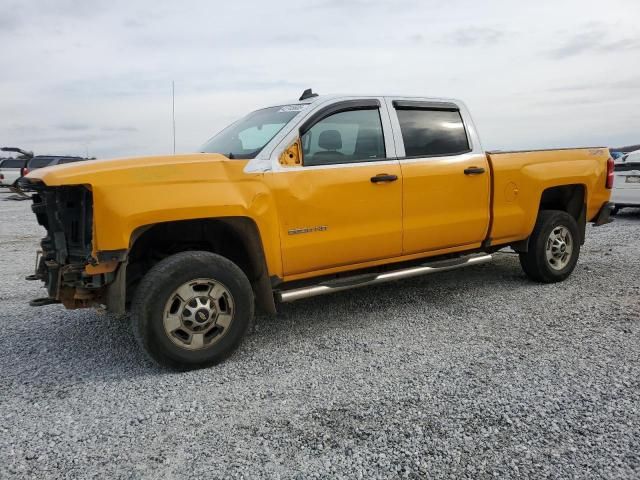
198, 314
559, 248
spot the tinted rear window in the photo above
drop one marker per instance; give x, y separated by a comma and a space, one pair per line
39, 162
428, 132
12, 163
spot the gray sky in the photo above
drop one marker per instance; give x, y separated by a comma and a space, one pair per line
78, 74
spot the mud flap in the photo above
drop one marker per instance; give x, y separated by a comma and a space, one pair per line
116, 292
604, 215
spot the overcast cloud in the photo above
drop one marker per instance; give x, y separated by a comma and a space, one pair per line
78, 75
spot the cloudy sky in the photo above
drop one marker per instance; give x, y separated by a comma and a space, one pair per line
78, 75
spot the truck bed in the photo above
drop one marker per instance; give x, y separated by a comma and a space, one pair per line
521, 178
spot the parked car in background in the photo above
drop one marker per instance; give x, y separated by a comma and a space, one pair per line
633, 157
616, 154
41, 161
11, 169
626, 184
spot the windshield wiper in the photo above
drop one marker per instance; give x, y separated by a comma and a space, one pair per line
230, 156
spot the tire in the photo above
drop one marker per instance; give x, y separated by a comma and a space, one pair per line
546, 241
168, 327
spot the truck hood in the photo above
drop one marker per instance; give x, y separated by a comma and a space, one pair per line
198, 167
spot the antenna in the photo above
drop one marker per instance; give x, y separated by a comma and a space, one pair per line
308, 93
173, 113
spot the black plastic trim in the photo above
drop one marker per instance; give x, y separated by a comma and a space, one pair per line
424, 105
344, 106
109, 255
354, 162
604, 214
384, 178
308, 93
417, 157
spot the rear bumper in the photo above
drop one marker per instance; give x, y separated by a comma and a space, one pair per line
604, 214
626, 196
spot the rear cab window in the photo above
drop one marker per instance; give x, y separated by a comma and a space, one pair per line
431, 129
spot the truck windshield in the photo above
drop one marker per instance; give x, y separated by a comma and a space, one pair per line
248, 136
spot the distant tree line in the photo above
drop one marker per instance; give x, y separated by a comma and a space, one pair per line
627, 149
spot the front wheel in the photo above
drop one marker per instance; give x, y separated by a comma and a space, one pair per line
554, 247
192, 309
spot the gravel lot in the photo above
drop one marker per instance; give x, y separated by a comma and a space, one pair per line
475, 373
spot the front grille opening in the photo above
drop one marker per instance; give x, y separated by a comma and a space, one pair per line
67, 214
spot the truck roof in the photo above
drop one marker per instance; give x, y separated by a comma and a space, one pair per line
323, 98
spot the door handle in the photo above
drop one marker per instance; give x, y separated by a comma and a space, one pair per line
473, 170
383, 177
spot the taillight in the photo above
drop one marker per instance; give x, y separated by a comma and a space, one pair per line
24, 171
1, 176
610, 169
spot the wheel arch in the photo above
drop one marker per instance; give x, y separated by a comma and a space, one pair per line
570, 198
235, 238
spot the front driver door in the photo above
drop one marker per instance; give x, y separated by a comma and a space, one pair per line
343, 206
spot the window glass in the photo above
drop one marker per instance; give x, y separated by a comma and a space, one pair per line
345, 137
12, 163
40, 162
248, 136
432, 132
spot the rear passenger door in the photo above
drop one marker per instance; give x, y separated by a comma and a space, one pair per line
446, 179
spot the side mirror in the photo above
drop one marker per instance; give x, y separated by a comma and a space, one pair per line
292, 155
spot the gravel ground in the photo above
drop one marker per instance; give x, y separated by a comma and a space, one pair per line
475, 373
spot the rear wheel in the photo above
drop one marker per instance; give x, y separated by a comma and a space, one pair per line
554, 247
192, 309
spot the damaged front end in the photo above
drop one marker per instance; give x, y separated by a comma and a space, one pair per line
66, 261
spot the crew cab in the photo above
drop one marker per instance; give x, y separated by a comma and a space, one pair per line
303, 199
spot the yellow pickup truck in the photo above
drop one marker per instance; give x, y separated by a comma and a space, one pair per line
302, 199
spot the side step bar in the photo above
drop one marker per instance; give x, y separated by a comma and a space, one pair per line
347, 283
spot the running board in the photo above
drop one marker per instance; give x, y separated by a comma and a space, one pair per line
347, 283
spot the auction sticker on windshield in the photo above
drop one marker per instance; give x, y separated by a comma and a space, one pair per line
293, 108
